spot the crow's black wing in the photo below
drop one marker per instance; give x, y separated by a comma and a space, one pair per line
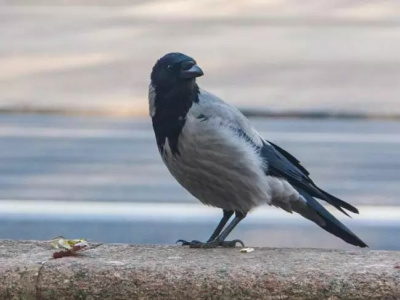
280, 163
291, 158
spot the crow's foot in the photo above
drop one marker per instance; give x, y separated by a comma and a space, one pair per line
211, 244
231, 244
186, 243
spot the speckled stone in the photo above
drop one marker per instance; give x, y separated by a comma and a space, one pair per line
117, 271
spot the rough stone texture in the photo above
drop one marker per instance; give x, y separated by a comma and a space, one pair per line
20, 263
117, 271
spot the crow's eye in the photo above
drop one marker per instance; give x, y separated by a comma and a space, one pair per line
169, 67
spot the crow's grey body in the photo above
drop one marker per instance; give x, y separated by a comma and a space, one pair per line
219, 167
214, 152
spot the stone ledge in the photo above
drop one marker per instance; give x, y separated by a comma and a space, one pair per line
118, 271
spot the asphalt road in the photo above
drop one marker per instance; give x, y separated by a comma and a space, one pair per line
99, 159
102, 178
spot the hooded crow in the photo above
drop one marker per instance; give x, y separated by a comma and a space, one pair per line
213, 151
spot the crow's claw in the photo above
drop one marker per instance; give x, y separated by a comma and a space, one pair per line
231, 244
210, 244
186, 243
197, 244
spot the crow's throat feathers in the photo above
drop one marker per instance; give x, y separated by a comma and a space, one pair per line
169, 111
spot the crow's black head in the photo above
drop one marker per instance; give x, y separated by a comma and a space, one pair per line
173, 69
172, 92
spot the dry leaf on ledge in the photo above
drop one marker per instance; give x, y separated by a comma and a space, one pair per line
69, 247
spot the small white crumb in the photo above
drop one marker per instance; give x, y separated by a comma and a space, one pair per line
246, 250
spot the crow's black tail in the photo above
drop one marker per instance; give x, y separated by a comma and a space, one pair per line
338, 203
331, 225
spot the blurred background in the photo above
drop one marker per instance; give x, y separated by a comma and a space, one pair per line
77, 153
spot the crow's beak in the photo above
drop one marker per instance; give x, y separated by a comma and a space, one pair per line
189, 70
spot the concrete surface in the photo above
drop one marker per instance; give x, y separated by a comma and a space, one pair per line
118, 271
94, 56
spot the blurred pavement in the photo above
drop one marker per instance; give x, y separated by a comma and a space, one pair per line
90, 56
99, 159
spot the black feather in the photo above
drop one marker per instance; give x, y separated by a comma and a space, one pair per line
282, 164
291, 158
171, 110
332, 225
340, 202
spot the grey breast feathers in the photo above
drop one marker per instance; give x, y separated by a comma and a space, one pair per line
216, 164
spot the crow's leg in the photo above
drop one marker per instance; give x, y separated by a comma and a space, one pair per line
227, 215
220, 239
